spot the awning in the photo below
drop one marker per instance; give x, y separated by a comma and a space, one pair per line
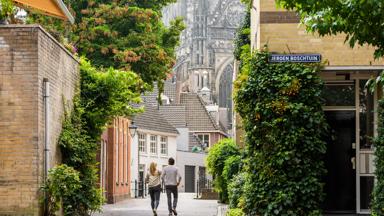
55, 8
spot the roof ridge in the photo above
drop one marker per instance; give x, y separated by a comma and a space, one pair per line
150, 108
209, 115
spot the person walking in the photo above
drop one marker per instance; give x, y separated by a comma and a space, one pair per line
171, 179
153, 179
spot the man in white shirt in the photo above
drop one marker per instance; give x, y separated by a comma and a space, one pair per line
171, 179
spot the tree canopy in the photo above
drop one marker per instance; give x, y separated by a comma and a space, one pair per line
127, 35
361, 20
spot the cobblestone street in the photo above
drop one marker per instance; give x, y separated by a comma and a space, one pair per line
187, 206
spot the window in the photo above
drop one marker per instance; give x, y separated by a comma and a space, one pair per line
142, 143
204, 138
153, 144
164, 145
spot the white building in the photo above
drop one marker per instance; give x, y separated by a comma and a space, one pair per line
155, 141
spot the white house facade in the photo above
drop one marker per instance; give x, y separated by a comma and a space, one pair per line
155, 141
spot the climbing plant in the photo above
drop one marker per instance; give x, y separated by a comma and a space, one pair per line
102, 96
280, 105
377, 204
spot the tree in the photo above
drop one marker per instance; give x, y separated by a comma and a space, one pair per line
127, 35
361, 20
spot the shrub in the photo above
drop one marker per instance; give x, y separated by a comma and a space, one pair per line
232, 166
235, 190
217, 156
378, 193
6, 9
63, 183
281, 109
235, 212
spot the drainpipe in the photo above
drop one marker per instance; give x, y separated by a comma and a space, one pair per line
46, 133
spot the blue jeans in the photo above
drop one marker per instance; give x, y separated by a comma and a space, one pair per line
171, 189
154, 192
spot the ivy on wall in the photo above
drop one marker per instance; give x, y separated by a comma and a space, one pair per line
103, 96
377, 204
280, 105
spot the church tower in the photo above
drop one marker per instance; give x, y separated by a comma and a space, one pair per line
205, 55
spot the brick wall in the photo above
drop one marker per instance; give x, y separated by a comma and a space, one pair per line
27, 55
118, 160
281, 31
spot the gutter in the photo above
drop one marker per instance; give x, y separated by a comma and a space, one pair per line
46, 94
64, 8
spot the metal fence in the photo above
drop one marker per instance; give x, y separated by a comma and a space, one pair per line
203, 185
141, 189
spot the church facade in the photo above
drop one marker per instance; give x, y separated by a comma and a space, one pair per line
205, 55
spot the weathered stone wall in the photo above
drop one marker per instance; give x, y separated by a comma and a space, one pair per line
27, 55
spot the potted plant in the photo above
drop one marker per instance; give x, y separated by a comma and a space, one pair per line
6, 10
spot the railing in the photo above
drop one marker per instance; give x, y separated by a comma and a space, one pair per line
141, 189
204, 185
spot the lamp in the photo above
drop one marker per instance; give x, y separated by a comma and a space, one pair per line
132, 129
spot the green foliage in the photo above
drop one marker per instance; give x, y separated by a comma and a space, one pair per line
79, 151
63, 183
216, 159
361, 20
106, 95
129, 38
103, 96
79, 5
281, 108
378, 193
6, 9
235, 212
243, 35
232, 166
126, 35
235, 190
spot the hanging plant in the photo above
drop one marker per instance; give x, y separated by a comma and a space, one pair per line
6, 10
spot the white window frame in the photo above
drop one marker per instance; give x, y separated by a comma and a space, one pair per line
203, 140
153, 149
142, 142
164, 145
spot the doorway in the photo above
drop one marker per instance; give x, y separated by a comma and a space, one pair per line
189, 179
350, 110
340, 180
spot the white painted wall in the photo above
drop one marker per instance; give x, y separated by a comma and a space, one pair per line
133, 163
147, 158
183, 139
191, 159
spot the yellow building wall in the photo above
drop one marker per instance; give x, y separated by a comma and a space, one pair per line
284, 37
290, 38
268, 5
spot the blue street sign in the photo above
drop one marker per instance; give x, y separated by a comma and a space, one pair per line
299, 58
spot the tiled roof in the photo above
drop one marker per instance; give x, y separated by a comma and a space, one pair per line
174, 114
169, 91
151, 119
197, 117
